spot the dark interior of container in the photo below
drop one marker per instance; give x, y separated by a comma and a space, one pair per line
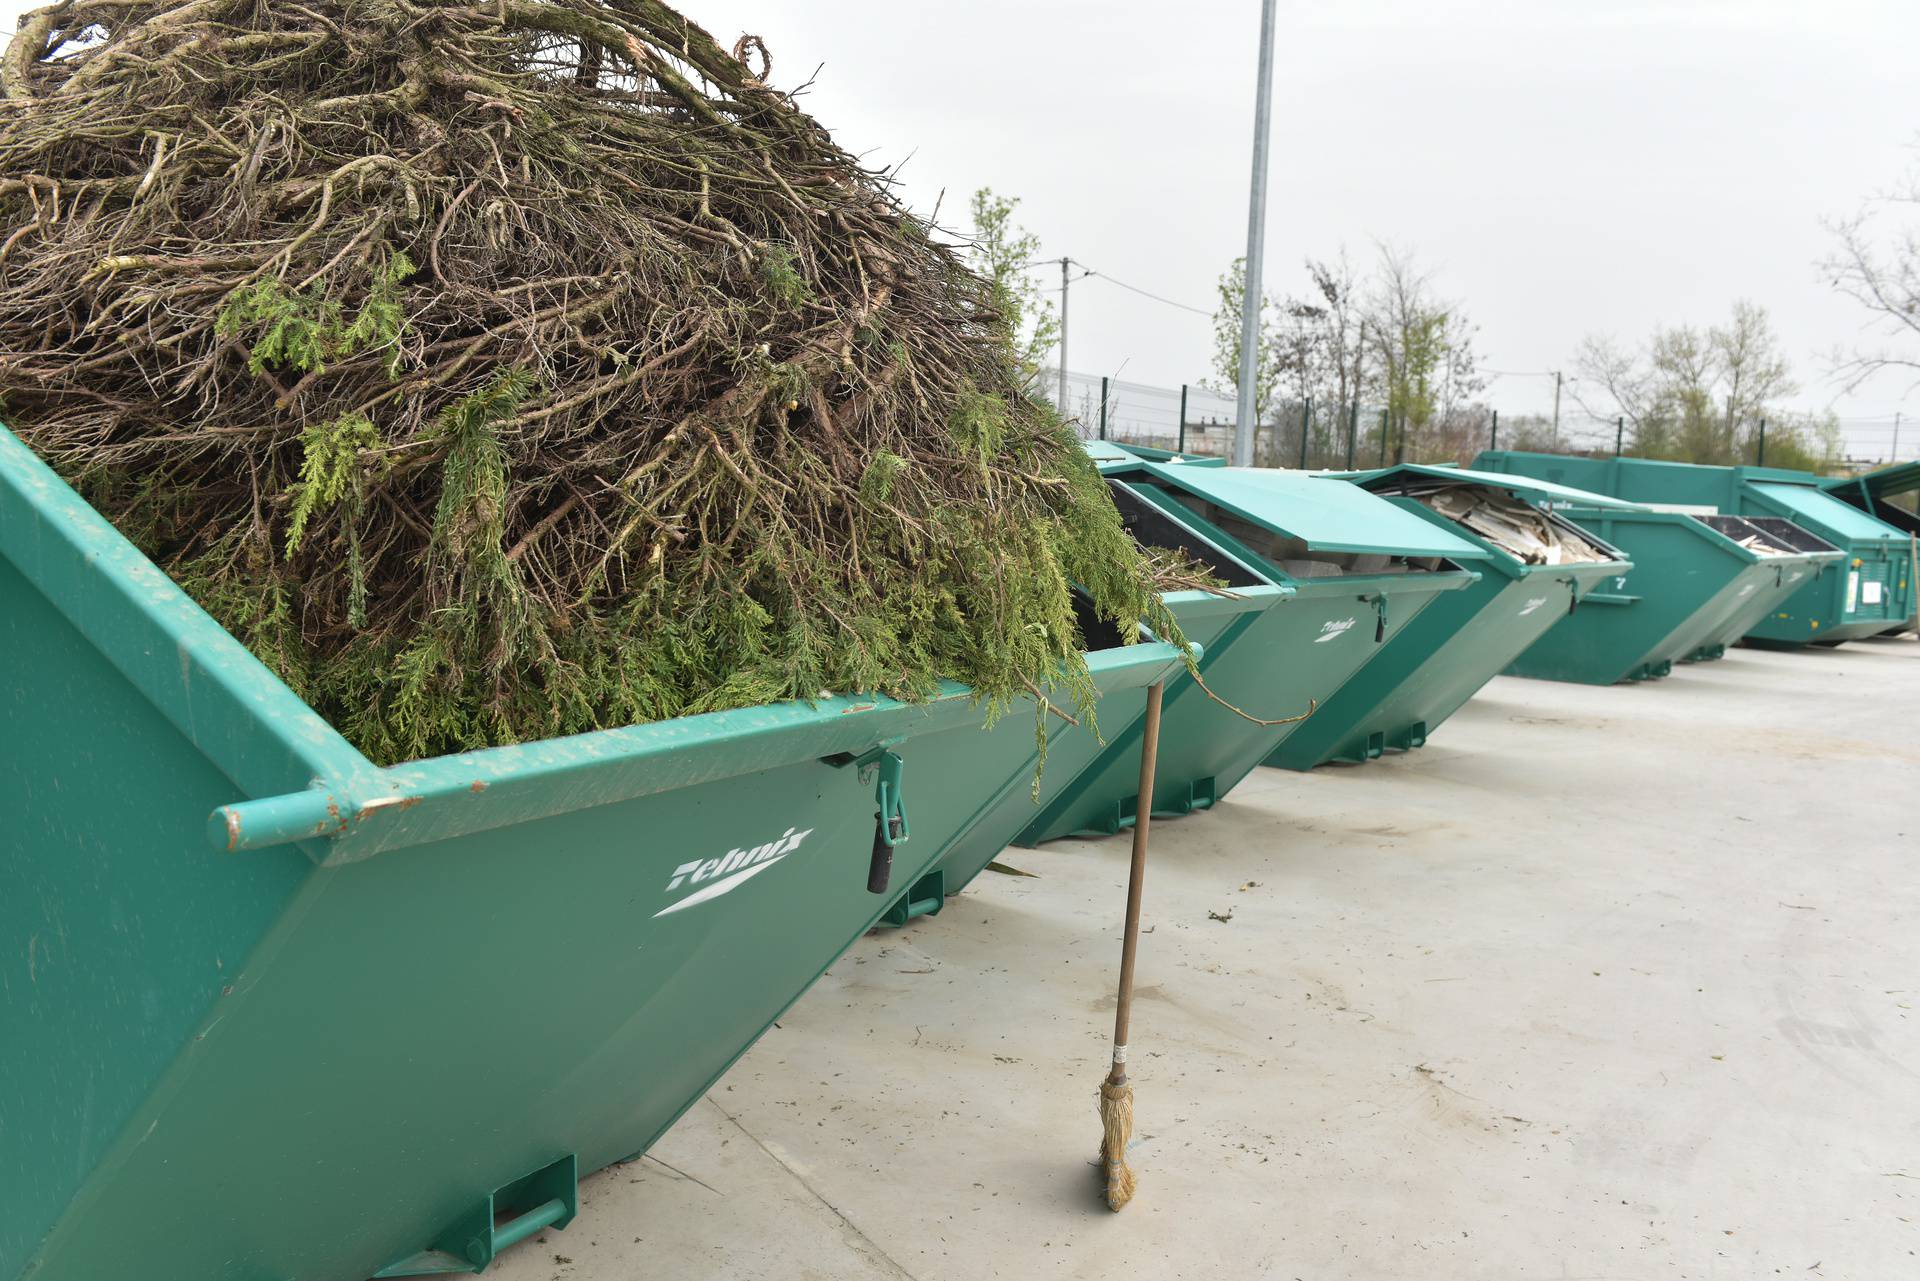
1096, 633
1152, 527
1893, 513
1790, 535
1298, 558
1742, 528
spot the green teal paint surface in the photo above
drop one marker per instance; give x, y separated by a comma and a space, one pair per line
1442, 658
1797, 566
320, 1046
1276, 663
1214, 623
1635, 626
1864, 596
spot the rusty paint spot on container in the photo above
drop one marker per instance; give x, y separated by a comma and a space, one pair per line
478, 787
233, 830
380, 803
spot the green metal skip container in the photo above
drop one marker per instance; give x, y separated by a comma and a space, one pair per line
1868, 594
1796, 556
272, 1013
1875, 493
1686, 581
1442, 658
1356, 570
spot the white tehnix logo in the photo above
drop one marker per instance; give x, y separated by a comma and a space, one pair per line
1330, 630
1532, 605
733, 869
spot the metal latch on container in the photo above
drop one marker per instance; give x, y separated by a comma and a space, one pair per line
890, 820
1380, 624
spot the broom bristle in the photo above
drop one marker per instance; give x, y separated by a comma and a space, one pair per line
1116, 1124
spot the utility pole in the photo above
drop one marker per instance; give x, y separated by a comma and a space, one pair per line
1244, 424
1556, 394
1183, 418
1065, 263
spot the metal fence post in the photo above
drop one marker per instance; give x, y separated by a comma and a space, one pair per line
1353, 433
1306, 429
1619, 436
1386, 430
1103, 407
1493, 436
1183, 418
1763, 444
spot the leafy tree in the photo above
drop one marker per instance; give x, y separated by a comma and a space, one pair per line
1002, 252
1232, 291
1699, 395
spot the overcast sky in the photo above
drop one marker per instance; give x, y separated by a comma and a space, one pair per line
1567, 166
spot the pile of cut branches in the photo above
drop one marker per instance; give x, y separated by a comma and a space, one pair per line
507, 369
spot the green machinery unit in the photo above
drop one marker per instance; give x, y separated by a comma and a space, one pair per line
1881, 494
1435, 663
273, 1013
1870, 591
1357, 570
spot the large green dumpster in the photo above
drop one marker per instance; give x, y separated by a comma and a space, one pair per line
1212, 621
378, 1021
1796, 556
1359, 569
1442, 658
1686, 579
1871, 592
1881, 493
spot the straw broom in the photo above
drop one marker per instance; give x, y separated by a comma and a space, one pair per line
1116, 1096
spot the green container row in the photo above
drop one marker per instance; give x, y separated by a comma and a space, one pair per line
273, 1013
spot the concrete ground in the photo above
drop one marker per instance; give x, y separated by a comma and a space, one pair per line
1605, 983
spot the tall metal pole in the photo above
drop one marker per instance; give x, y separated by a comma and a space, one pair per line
1103, 407
1493, 436
1619, 435
1761, 461
1353, 433
1896, 437
1244, 424
1556, 409
1306, 426
1064, 264
1183, 418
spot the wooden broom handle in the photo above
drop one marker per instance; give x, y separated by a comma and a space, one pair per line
1136, 876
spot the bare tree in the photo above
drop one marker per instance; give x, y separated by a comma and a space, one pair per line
1876, 262
1753, 370
1689, 394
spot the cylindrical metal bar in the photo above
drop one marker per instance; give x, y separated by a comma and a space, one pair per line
1244, 417
1353, 433
1182, 448
1493, 434
542, 1216
1306, 430
1103, 407
277, 820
